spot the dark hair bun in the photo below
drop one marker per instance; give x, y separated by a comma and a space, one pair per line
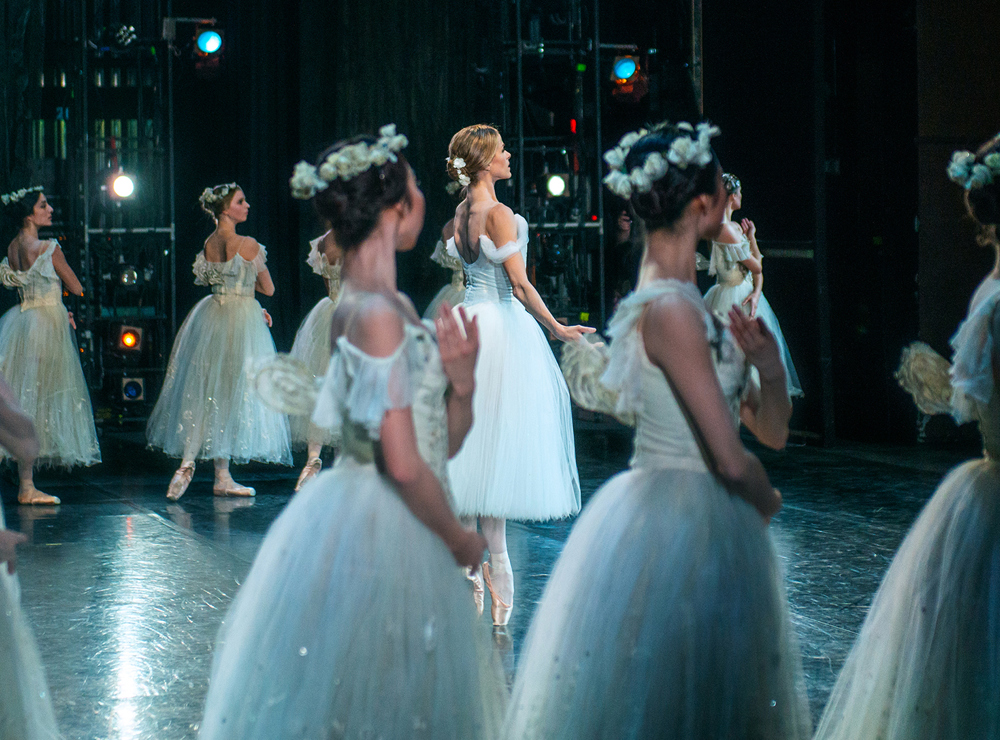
984, 202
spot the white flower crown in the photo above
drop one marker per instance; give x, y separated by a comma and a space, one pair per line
8, 198
347, 162
683, 151
208, 195
463, 181
970, 174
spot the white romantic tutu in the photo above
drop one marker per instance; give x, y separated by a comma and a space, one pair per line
313, 348
720, 298
519, 459
926, 665
451, 293
207, 403
41, 363
665, 617
354, 622
25, 704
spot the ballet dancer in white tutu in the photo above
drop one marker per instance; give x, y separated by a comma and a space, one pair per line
665, 615
926, 663
312, 348
519, 460
737, 263
354, 621
445, 255
206, 408
38, 353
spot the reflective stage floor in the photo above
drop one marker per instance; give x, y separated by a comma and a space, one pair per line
125, 591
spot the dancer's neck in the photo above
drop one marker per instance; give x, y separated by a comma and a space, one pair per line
482, 190
371, 266
225, 226
670, 254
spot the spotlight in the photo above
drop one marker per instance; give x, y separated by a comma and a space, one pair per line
556, 185
133, 389
630, 81
129, 338
122, 185
207, 41
624, 68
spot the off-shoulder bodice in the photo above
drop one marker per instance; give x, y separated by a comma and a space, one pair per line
975, 395
726, 259
324, 268
234, 278
39, 285
486, 280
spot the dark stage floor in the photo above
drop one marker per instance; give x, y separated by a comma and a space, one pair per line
125, 591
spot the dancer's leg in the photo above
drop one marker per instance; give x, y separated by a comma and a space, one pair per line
501, 576
27, 493
225, 485
313, 464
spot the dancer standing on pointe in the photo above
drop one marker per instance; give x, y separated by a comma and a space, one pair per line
354, 621
665, 615
312, 347
38, 354
737, 263
519, 461
926, 664
206, 407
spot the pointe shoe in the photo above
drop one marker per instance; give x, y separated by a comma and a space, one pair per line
499, 609
478, 593
231, 488
180, 482
313, 465
32, 496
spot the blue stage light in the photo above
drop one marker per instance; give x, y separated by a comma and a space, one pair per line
625, 67
209, 42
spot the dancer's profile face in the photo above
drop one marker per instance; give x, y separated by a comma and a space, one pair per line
715, 210
736, 200
239, 208
499, 168
411, 222
41, 214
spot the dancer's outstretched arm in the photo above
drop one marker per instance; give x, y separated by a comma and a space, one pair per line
766, 409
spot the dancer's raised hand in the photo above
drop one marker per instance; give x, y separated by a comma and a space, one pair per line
9, 540
468, 550
459, 347
758, 344
749, 230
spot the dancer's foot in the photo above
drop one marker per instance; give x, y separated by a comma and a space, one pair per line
313, 465
180, 482
226, 486
478, 592
29, 495
499, 580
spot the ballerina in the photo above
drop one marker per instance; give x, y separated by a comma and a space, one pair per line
445, 255
665, 615
312, 347
206, 408
38, 354
519, 460
354, 621
738, 264
926, 663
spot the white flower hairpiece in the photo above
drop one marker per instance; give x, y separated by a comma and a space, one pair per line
684, 150
347, 162
8, 198
970, 174
463, 180
214, 195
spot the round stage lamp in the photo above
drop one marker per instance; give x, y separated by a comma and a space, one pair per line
123, 186
625, 67
133, 389
556, 185
129, 339
208, 42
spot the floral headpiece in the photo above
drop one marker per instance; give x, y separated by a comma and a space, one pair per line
683, 151
347, 162
970, 174
463, 181
8, 198
214, 195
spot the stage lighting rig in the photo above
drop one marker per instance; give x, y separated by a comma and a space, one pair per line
629, 79
129, 339
121, 185
133, 389
207, 40
557, 185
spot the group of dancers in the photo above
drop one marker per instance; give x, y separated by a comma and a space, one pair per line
665, 615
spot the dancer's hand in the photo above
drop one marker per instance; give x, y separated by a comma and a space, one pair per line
468, 551
71, 321
749, 230
9, 541
459, 347
758, 344
777, 508
267, 317
752, 300
572, 333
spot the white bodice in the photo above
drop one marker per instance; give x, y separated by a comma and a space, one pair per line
358, 389
663, 436
725, 262
322, 267
486, 280
39, 285
234, 278
975, 396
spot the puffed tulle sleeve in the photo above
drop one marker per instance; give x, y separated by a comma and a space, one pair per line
316, 260
260, 261
583, 362
502, 254
924, 374
202, 270
728, 253
972, 362
446, 254
11, 278
362, 388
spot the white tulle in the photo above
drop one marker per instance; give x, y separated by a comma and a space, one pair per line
453, 293
354, 621
25, 703
207, 408
41, 363
665, 615
971, 371
519, 458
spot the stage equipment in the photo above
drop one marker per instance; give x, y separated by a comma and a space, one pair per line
624, 68
130, 339
555, 185
122, 185
133, 389
207, 41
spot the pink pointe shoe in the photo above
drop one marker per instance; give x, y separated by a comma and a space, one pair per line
313, 466
478, 592
180, 482
31, 496
499, 609
228, 487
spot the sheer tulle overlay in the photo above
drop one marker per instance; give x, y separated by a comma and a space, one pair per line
312, 347
41, 363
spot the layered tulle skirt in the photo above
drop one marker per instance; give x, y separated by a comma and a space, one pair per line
41, 363
720, 298
312, 347
453, 294
665, 617
354, 622
518, 460
207, 407
926, 664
